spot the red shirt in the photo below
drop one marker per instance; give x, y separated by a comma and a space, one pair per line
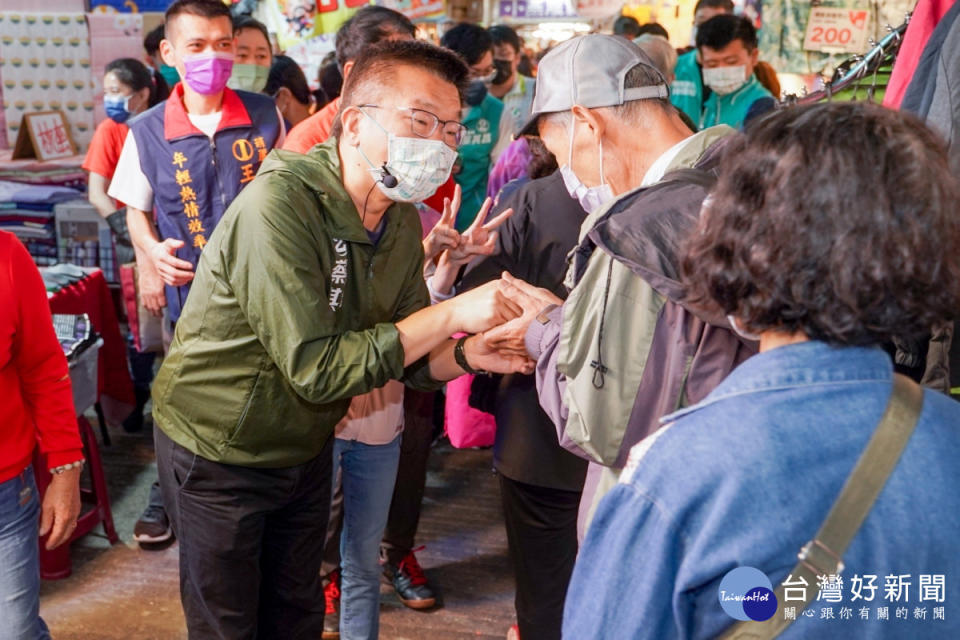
36, 403
313, 130
105, 147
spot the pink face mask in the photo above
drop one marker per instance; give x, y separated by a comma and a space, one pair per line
207, 73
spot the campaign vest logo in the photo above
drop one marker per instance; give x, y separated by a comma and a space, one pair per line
747, 594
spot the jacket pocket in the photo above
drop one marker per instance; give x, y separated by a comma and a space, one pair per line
237, 433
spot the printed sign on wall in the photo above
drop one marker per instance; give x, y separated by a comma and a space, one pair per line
836, 30
45, 66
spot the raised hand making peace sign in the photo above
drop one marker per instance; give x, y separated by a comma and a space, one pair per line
480, 239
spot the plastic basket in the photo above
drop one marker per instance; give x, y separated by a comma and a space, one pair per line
83, 376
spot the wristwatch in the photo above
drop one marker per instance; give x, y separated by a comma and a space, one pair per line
461, 359
542, 316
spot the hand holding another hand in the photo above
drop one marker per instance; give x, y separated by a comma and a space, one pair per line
510, 337
482, 308
480, 355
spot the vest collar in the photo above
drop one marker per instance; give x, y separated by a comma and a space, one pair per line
176, 124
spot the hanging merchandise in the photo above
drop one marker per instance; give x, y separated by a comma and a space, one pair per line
599, 9
309, 54
814, 36
415, 9
129, 6
295, 21
861, 77
45, 65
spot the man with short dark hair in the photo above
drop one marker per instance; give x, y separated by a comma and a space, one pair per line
512, 88
368, 26
489, 130
654, 29
626, 27
727, 51
164, 75
185, 160
686, 91
310, 293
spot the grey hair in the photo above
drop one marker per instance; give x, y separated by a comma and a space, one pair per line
660, 51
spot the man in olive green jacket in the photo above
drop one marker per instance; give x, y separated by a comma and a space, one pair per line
308, 293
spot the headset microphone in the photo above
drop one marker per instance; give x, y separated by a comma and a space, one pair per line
387, 178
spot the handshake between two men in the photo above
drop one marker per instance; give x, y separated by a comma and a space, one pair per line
501, 310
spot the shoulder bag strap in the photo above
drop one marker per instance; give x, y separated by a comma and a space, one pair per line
823, 555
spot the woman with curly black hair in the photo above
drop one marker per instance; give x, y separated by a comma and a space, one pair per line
832, 228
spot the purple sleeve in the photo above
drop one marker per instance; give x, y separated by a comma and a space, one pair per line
511, 164
543, 345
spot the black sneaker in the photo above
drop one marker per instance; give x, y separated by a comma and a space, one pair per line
331, 618
410, 583
153, 526
134, 422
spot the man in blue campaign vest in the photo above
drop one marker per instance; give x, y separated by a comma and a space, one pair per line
185, 160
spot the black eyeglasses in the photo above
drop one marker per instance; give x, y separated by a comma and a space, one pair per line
424, 124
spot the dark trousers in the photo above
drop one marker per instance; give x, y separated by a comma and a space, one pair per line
542, 536
249, 543
404, 517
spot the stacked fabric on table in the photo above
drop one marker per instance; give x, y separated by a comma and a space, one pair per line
64, 172
27, 212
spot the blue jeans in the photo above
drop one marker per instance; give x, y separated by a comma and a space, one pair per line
20, 560
368, 473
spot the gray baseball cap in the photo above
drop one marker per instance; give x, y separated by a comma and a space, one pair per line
590, 71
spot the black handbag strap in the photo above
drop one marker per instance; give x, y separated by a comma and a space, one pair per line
823, 555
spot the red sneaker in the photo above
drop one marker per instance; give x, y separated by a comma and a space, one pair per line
331, 618
410, 582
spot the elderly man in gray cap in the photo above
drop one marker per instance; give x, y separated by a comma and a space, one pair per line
623, 349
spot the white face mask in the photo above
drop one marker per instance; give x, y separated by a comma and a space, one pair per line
590, 198
419, 165
725, 80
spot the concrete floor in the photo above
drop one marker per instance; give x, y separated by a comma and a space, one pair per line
123, 592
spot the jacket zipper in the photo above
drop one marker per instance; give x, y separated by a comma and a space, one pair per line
216, 173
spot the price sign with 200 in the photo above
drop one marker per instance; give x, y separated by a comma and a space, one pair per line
832, 30
831, 35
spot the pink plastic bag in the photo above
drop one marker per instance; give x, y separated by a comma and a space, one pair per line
465, 426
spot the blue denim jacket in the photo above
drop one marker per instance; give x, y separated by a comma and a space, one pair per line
746, 478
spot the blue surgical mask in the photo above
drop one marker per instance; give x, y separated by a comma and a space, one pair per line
117, 107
